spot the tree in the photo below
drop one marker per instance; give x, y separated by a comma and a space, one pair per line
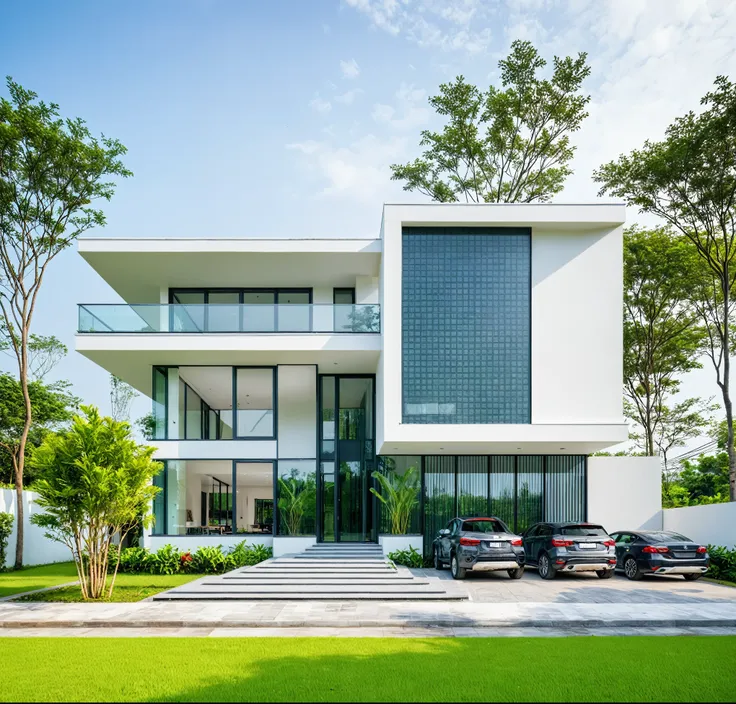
44, 352
147, 426
95, 486
662, 335
504, 145
121, 398
53, 406
51, 171
399, 494
680, 423
689, 180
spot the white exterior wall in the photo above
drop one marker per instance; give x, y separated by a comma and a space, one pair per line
297, 411
193, 542
625, 493
577, 335
214, 449
37, 548
714, 524
576, 374
290, 545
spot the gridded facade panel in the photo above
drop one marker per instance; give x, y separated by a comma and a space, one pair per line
466, 328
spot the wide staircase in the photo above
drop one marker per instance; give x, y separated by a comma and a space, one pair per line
324, 571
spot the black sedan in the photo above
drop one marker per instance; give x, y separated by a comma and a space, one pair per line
659, 552
480, 545
569, 547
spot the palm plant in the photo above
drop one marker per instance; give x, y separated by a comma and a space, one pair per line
400, 494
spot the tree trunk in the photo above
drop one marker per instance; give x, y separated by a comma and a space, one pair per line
726, 386
21, 461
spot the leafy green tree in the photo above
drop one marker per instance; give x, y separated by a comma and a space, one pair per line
502, 145
689, 180
53, 406
44, 351
95, 486
51, 172
121, 398
662, 332
681, 422
705, 479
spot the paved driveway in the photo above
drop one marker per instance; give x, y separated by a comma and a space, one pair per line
584, 589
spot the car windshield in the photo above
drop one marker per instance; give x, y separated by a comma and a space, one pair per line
665, 537
583, 531
484, 525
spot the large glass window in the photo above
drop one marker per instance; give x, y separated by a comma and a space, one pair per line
297, 497
529, 492
254, 389
188, 311
158, 429
254, 497
294, 311
472, 486
502, 483
466, 327
439, 496
564, 494
259, 312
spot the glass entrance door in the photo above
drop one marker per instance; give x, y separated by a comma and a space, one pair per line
347, 459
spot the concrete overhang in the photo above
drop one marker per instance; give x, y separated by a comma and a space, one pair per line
137, 269
131, 357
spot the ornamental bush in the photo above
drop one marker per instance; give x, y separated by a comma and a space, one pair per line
722, 563
206, 560
6, 528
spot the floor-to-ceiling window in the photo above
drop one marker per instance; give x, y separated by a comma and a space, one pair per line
520, 490
347, 458
214, 497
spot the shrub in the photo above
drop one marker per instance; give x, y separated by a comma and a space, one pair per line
244, 555
211, 560
409, 558
6, 528
722, 563
165, 560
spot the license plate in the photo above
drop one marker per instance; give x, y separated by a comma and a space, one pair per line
690, 555
495, 545
588, 546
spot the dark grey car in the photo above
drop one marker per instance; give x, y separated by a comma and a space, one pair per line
569, 547
659, 552
480, 545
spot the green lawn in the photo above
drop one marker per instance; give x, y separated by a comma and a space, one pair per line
128, 587
668, 669
36, 578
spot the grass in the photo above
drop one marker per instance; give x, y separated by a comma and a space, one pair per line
128, 587
689, 668
30, 578
723, 582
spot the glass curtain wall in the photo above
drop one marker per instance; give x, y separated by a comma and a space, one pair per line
519, 490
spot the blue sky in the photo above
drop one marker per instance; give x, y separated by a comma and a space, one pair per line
279, 118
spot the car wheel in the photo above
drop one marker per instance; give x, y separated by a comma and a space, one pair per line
518, 573
438, 564
631, 569
546, 571
692, 577
604, 574
457, 571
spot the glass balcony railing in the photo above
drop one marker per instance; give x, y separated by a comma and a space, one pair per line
229, 318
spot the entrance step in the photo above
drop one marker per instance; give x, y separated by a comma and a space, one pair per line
322, 572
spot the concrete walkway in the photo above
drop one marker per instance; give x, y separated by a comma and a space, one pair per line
352, 614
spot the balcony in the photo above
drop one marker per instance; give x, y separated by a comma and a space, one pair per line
190, 319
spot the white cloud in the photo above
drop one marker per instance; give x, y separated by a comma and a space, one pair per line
357, 171
348, 97
319, 105
450, 25
350, 69
411, 109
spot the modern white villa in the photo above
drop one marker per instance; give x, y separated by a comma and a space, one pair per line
480, 345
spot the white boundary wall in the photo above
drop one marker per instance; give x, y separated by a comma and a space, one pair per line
625, 493
37, 548
714, 524
194, 542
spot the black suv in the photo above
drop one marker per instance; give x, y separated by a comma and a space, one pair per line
480, 545
569, 547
